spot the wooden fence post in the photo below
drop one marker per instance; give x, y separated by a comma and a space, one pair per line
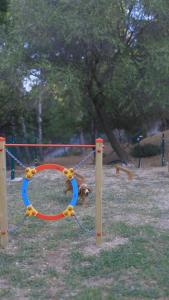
99, 171
3, 197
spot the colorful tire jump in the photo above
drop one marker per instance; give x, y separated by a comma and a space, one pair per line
31, 211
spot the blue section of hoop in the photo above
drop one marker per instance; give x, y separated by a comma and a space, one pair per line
26, 200
74, 184
24, 192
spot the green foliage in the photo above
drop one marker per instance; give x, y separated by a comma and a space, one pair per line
146, 150
103, 61
3, 5
3, 10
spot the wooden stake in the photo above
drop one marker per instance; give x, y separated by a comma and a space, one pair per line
99, 170
3, 197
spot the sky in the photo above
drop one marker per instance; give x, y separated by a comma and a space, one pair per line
31, 80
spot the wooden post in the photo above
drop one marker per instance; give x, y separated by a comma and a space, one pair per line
99, 169
3, 197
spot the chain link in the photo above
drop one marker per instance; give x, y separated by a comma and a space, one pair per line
83, 227
84, 160
75, 167
18, 226
16, 159
74, 216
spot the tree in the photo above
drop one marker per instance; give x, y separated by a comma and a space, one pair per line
112, 56
3, 10
101, 56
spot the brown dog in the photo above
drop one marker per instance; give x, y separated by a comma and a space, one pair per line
127, 171
83, 189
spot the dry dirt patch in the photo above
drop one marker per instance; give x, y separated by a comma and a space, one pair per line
95, 250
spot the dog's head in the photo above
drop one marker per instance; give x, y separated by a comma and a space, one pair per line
84, 190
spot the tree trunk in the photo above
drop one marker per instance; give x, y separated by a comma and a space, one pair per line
82, 140
109, 133
93, 131
99, 106
25, 138
39, 121
93, 136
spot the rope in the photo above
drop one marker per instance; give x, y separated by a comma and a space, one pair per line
16, 159
83, 227
84, 160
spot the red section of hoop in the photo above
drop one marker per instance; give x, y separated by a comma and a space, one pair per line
50, 218
49, 166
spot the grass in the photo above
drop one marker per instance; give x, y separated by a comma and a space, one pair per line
59, 260
90, 293
136, 270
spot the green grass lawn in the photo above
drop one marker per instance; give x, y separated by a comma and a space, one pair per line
59, 260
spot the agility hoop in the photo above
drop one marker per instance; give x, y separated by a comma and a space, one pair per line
31, 211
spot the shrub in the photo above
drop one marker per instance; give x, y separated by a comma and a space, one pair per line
145, 150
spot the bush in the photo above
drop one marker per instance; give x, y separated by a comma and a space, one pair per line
145, 150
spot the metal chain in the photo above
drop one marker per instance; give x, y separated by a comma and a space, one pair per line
75, 167
75, 217
84, 160
16, 159
83, 227
18, 226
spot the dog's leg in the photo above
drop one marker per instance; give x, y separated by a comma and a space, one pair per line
85, 202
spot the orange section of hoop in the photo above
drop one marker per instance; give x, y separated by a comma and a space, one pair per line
44, 216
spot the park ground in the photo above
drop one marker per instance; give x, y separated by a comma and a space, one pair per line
59, 260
